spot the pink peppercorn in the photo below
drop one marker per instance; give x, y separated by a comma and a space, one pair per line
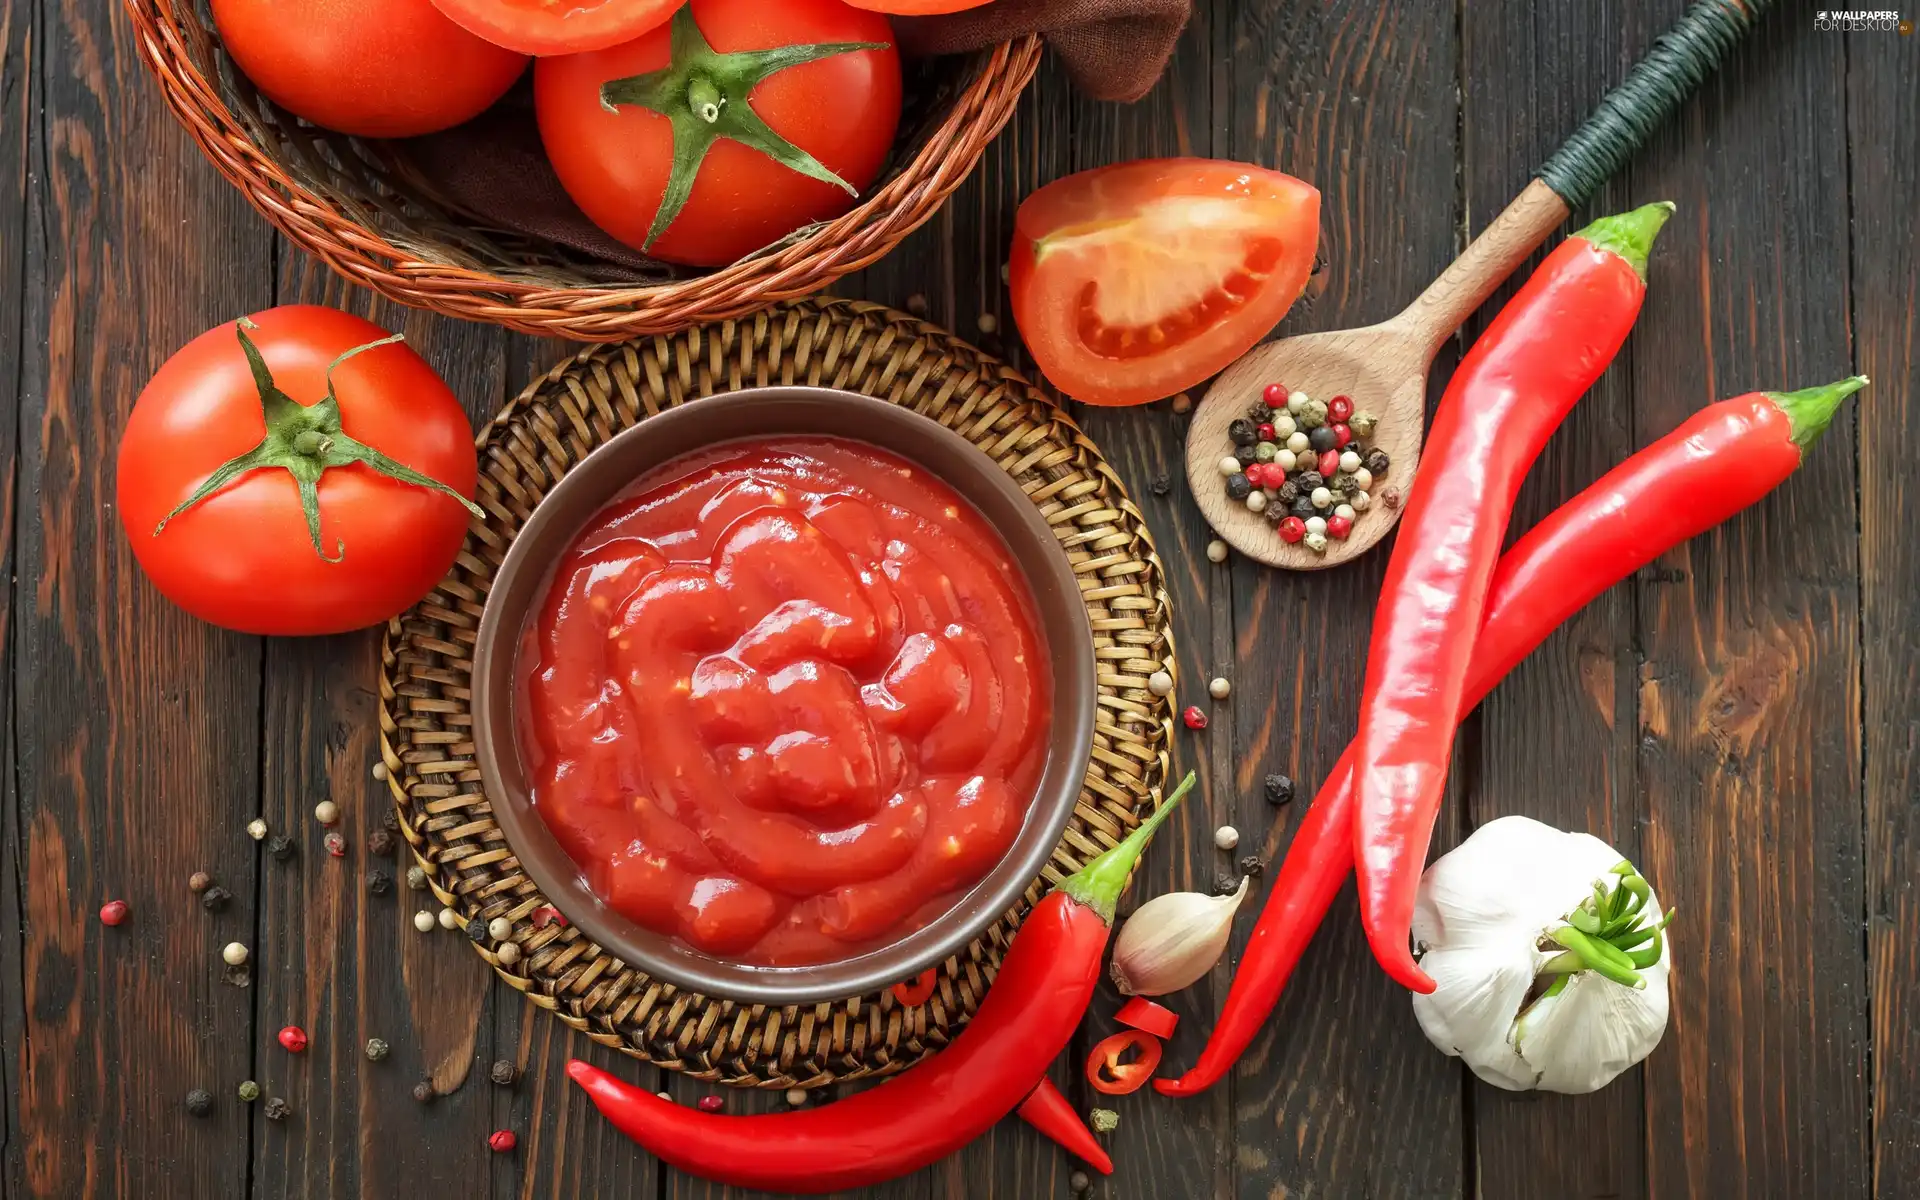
711, 1104
1258, 475
1329, 464
1339, 527
547, 915
1342, 436
1274, 395
502, 1141
1194, 718
113, 912
1339, 409
294, 1039
1265, 431
1292, 530
336, 844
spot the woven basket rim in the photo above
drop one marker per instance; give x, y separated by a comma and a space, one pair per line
588, 313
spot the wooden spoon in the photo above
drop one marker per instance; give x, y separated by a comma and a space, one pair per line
1384, 367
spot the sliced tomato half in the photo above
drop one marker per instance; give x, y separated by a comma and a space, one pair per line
1113, 1077
1133, 282
550, 27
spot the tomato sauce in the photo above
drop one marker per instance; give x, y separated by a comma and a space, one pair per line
786, 701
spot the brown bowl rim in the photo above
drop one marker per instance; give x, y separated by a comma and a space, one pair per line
523, 578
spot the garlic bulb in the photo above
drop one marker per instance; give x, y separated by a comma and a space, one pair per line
1547, 955
1172, 940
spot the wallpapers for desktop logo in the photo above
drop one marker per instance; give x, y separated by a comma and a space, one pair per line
1863, 20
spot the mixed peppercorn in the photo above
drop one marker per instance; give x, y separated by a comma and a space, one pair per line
1306, 465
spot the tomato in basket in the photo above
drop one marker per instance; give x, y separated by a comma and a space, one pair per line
729, 128
544, 27
1136, 281
373, 68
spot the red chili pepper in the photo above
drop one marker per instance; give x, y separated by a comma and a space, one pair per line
925, 1113
918, 991
1512, 390
1048, 1111
1108, 1074
1143, 1014
1722, 460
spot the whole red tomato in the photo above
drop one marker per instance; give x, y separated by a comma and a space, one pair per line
375, 68
764, 147
261, 497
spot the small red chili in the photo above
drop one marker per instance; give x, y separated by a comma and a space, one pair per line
1275, 395
1265, 431
1339, 527
294, 1039
712, 1104
1342, 436
1292, 530
1194, 718
502, 1141
1329, 464
1109, 1076
1339, 409
1146, 1016
113, 912
916, 992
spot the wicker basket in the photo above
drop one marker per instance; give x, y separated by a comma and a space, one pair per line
341, 199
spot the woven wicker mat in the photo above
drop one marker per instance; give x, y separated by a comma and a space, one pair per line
426, 719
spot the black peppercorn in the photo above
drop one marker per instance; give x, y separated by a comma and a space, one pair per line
1303, 508
1246, 456
1259, 413
215, 898
278, 1109
236, 975
249, 1092
281, 847
1274, 513
1306, 481
1279, 789
503, 1073
1323, 439
477, 929
423, 1091
1287, 493
379, 882
1243, 432
1160, 485
1251, 865
199, 882
1378, 462
1238, 487
389, 820
380, 843
199, 1102
1225, 884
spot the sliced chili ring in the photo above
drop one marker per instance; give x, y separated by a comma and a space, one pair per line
916, 992
1112, 1077
1143, 1014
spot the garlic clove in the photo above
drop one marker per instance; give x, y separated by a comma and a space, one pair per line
1171, 941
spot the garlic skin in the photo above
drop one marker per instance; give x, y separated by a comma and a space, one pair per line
1482, 926
1172, 940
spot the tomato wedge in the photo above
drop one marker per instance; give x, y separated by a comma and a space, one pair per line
1143, 1014
915, 7
1112, 1077
1133, 282
558, 26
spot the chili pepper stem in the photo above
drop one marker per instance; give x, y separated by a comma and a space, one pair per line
1630, 234
1810, 410
1098, 884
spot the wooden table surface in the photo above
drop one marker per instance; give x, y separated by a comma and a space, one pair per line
1740, 718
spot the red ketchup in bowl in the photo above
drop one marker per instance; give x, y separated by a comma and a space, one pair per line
786, 701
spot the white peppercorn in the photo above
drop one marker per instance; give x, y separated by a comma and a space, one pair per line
1160, 683
234, 954
1219, 688
449, 919
1216, 551
1226, 837
423, 921
500, 929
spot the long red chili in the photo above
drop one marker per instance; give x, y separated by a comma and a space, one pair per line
1510, 393
1048, 1111
926, 1113
1721, 460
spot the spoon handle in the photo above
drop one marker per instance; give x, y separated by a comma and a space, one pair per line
1677, 63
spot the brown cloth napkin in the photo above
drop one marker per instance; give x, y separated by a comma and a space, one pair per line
493, 168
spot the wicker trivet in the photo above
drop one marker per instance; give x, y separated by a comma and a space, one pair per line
426, 720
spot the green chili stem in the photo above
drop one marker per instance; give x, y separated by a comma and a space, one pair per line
1098, 884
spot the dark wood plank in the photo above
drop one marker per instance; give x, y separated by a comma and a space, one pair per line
1556, 741
137, 727
1883, 109
18, 93
1358, 99
1749, 757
